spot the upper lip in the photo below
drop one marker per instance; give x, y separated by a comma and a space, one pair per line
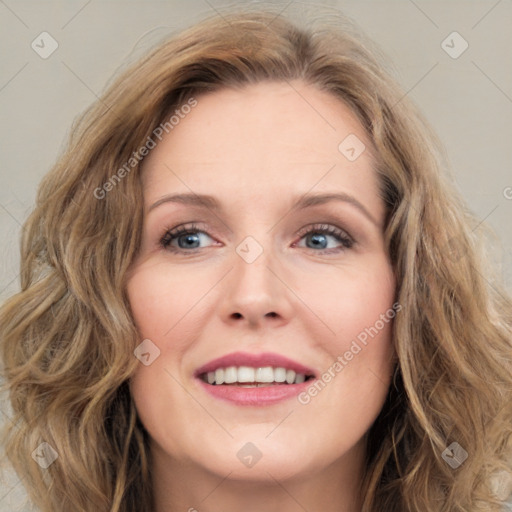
254, 361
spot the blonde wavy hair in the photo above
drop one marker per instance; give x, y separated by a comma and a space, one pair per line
68, 336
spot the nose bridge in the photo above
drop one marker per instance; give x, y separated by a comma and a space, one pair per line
252, 277
254, 292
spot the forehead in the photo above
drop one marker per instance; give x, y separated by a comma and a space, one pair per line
265, 139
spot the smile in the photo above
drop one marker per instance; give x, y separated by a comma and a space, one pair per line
261, 379
245, 376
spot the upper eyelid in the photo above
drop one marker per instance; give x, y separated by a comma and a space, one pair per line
202, 227
322, 226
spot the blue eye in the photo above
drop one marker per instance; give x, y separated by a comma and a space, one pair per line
187, 238
318, 235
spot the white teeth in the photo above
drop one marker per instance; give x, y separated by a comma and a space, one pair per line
265, 374
280, 374
219, 376
230, 375
245, 374
300, 378
290, 376
253, 377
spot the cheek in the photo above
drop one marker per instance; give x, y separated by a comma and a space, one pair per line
350, 299
356, 303
161, 299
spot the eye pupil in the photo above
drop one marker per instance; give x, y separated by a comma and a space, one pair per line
190, 237
318, 243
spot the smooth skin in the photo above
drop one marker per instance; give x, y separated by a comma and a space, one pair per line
257, 150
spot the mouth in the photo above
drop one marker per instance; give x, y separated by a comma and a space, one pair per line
250, 377
254, 379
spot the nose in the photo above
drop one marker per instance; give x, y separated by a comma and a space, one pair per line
256, 293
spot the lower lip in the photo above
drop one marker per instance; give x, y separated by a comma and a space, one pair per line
265, 395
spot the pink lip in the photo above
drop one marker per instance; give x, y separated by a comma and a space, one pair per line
258, 396
266, 395
253, 361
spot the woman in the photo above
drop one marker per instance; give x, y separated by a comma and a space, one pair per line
247, 285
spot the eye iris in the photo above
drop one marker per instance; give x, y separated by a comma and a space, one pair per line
318, 243
189, 237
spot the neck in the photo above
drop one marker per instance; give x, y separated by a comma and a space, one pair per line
180, 486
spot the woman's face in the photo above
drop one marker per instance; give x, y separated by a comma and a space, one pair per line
269, 267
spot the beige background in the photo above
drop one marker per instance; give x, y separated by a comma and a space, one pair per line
467, 99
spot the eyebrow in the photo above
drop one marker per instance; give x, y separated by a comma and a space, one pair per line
305, 201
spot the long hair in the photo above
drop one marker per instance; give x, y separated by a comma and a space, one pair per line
68, 336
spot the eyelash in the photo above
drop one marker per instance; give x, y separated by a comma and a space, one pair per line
346, 241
